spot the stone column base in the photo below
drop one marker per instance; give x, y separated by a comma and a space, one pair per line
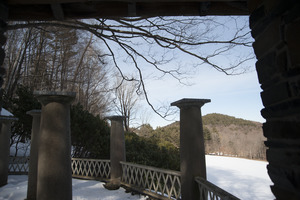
113, 184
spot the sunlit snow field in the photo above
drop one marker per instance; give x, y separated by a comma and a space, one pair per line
246, 179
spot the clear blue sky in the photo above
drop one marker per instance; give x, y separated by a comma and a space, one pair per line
237, 96
234, 95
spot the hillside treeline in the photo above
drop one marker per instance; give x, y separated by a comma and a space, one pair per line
223, 135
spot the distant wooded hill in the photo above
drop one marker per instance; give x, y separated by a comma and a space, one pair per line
223, 135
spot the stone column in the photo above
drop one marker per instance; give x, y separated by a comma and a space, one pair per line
3, 18
54, 152
192, 151
5, 122
275, 26
32, 175
117, 151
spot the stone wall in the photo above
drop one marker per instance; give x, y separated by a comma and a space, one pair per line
275, 27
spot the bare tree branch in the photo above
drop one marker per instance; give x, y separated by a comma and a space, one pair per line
192, 36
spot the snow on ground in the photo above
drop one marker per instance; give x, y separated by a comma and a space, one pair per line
246, 179
15, 189
86, 190
82, 190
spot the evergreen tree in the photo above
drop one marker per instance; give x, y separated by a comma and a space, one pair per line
90, 134
18, 106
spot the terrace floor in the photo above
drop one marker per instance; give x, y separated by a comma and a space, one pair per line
82, 190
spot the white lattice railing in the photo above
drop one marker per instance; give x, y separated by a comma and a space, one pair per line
18, 165
165, 183
93, 168
209, 191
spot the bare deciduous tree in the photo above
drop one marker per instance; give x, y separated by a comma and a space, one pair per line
126, 100
56, 58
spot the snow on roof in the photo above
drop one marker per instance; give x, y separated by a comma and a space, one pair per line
5, 113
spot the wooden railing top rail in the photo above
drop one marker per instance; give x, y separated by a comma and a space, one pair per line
89, 159
168, 171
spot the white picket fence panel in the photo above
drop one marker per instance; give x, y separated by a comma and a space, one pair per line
18, 165
93, 168
162, 182
159, 183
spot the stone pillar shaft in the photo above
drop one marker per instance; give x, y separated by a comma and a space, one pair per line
3, 18
3, 133
33, 162
54, 151
117, 149
4, 151
192, 151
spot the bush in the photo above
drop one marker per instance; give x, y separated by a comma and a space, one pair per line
149, 151
89, 134
18, 106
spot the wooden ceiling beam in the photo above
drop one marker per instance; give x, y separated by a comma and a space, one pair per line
132, 9
41, 2
124, 9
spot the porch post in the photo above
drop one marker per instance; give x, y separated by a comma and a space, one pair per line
192, 151
5, 122
3, 127
54, 151
117, 151
32, 174
3, 18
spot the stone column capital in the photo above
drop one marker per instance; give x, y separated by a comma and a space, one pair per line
34, 112
45, 97
116, 118
6, 119
187, 102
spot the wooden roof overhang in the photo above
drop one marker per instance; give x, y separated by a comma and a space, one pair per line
82, 9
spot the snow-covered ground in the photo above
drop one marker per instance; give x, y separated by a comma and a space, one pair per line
246, 179
82, 190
